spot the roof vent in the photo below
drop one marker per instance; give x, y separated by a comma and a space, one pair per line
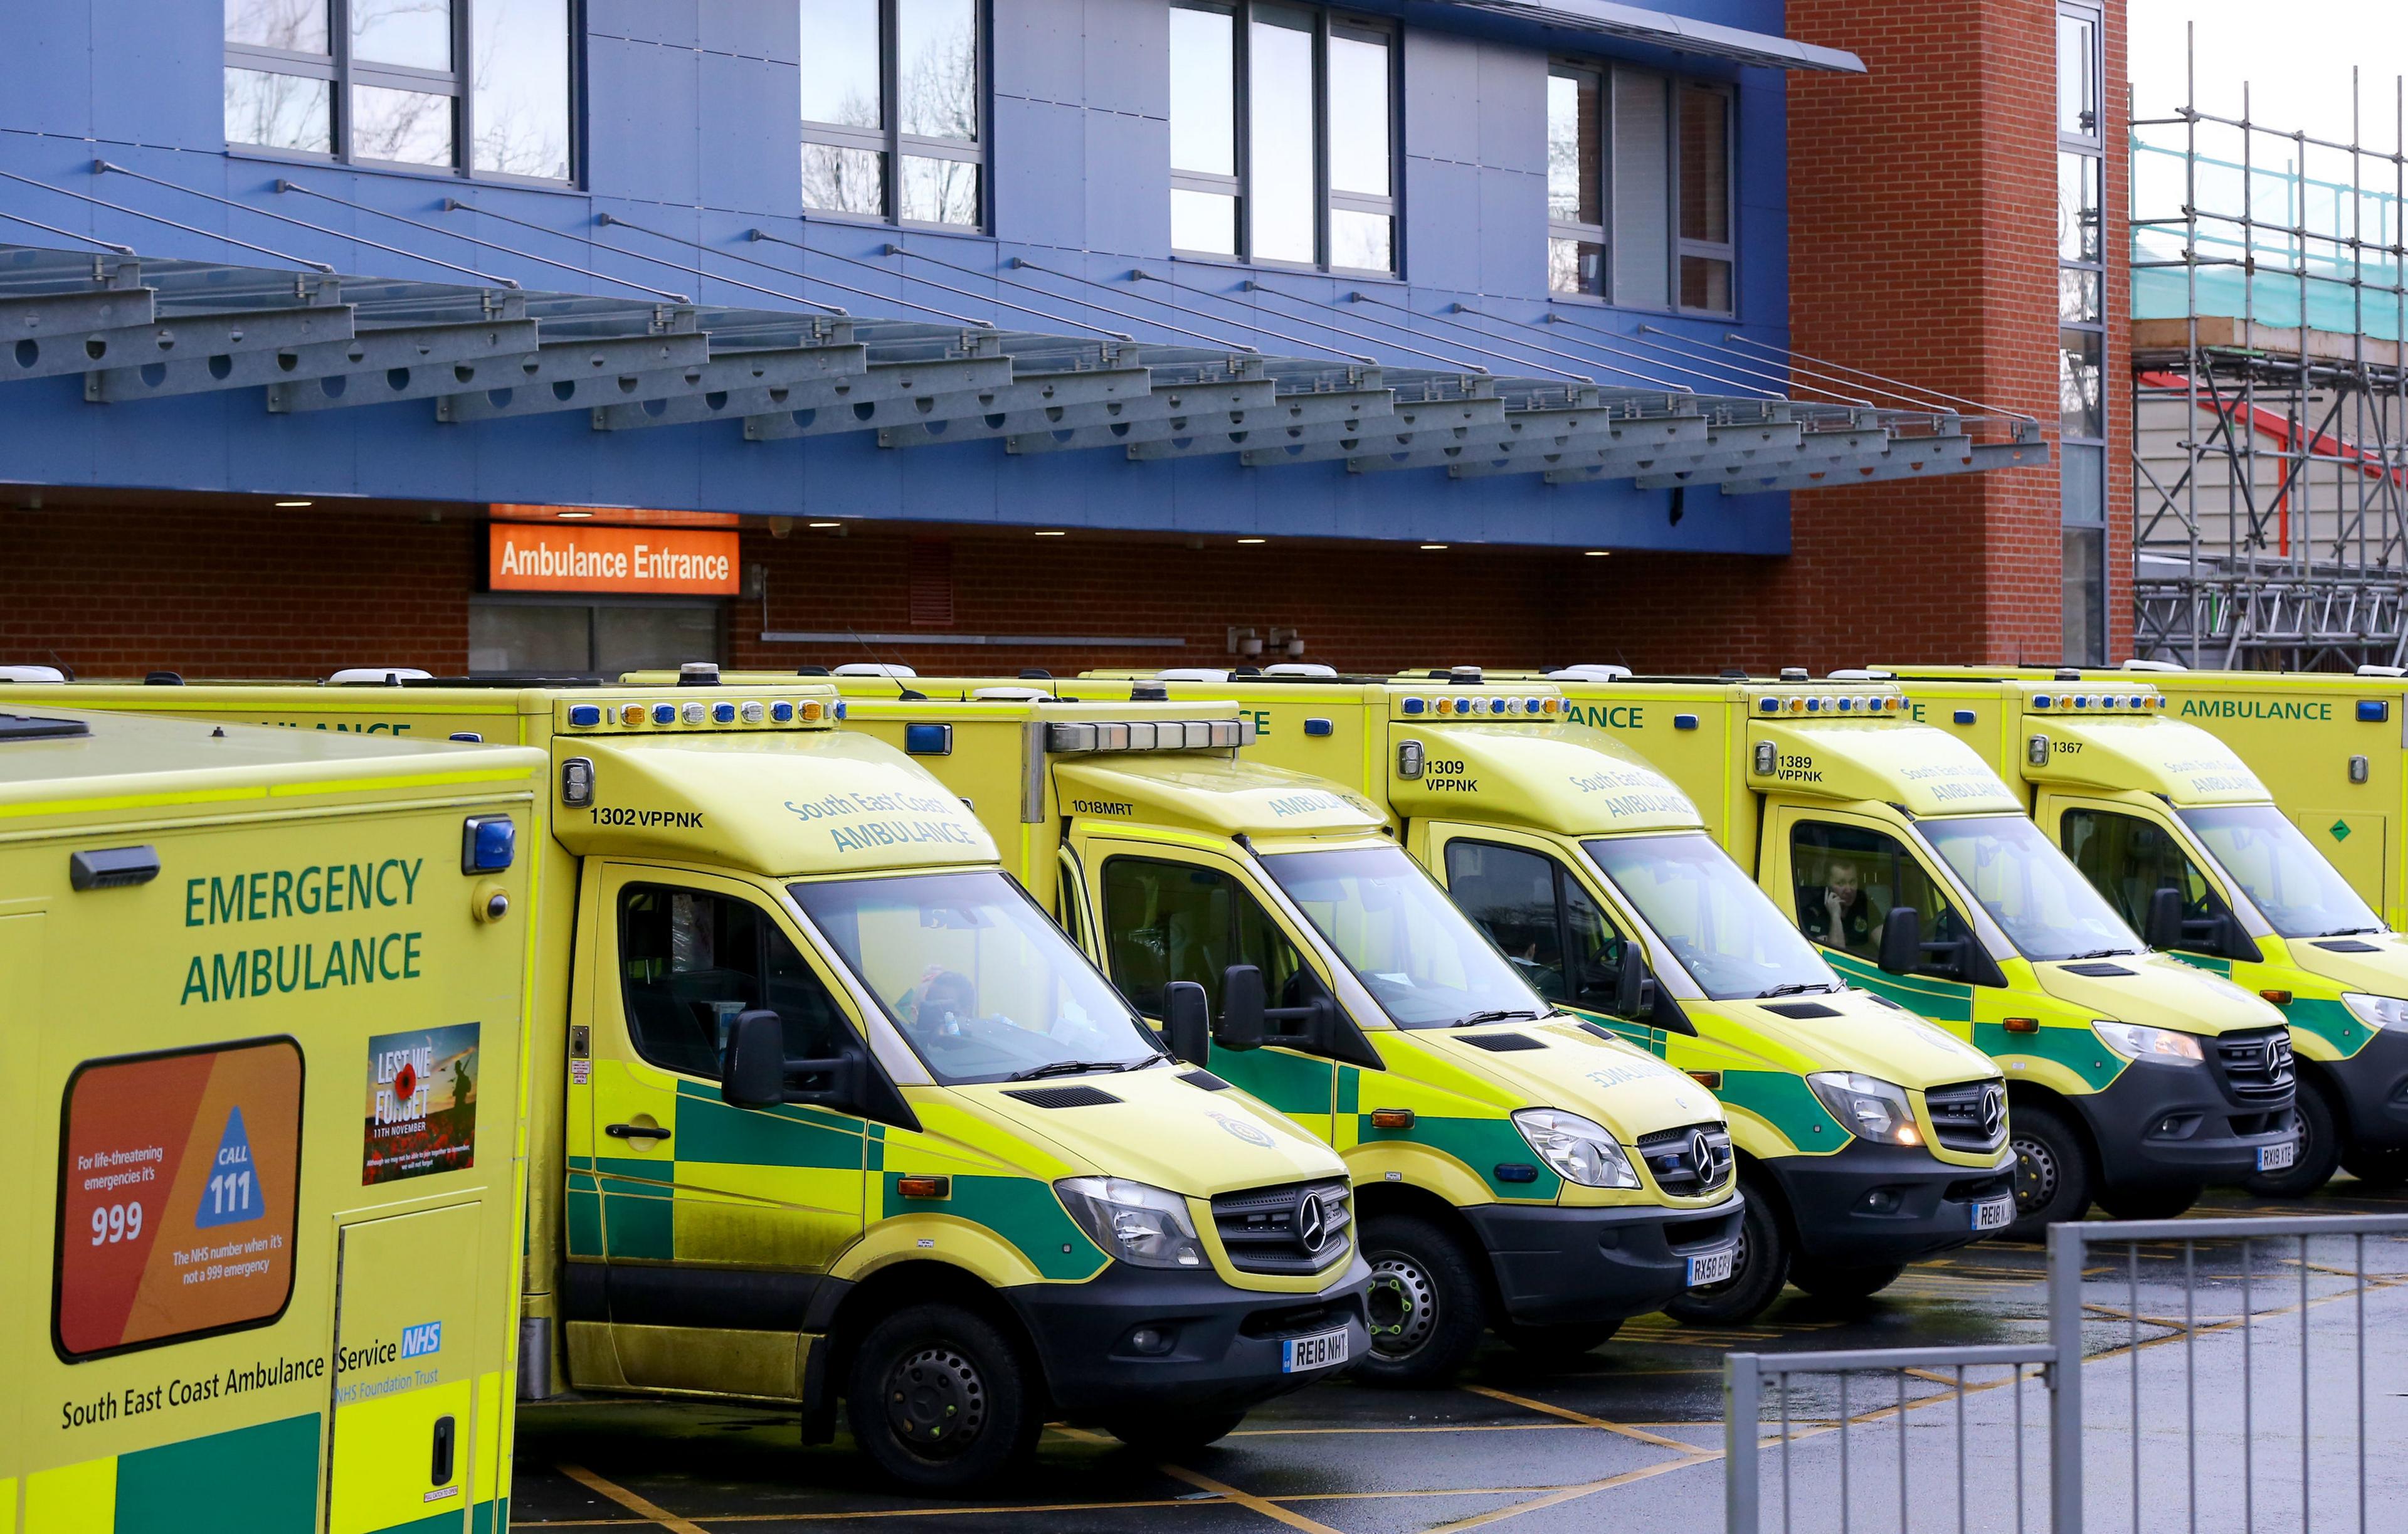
698, 674
358, 675
1590, 673
32, 673
1299, 668
2068, 673
873, 668
162, 679
2363, 670
1149, 692
1009, 694
1863, 673
1464, 676
28, 727
810, 670
1195, 673
2136, 664
1036, 673
1793, 673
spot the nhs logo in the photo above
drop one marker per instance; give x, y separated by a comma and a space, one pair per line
419, 1340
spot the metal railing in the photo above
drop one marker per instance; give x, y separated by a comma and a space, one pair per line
2242, 1435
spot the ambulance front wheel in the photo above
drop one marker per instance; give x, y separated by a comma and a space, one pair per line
1425, 1305
2055, 1169
1758, 1270
940, 1400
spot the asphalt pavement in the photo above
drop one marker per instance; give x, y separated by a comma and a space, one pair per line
1629, 1438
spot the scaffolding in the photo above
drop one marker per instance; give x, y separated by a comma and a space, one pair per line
2269, 397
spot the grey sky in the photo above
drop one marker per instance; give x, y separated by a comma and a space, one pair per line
2295, 56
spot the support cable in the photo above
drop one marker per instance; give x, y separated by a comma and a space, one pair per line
1823, 368
1252, 286
1138, 274
895, 249
612, 220
453, 234
1020, 261
453, 205
69, 234
759, 235
102, 167
1688, 346
155, 217
1647, 378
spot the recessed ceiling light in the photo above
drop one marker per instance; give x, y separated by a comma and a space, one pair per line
826, 525
1433, 545
1253, 541
1049, 532
291, 503
571, 516
1598, 554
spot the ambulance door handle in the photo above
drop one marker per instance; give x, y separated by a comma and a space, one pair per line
635, 1131
440, 1472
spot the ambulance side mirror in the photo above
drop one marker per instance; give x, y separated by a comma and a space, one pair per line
2165, 924
1187, 1021
1901, 941
1634, 989
753, 1062
1241, 1008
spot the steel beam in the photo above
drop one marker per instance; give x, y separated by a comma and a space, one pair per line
1197, 425
389, 353
1905, 462
1624, 448
1160, 402
1817, 453
49, 333
1425, 425
209, 340
1293, 420
957, 389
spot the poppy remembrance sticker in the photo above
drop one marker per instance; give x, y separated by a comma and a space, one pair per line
421, 1114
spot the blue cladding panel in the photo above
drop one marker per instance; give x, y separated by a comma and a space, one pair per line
691, 131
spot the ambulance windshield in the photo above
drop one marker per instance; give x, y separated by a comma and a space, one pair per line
983, 985
2047, 909
1419, 955
1726, 933
2287, 879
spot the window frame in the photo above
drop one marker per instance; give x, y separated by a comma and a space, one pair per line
768, 926
1609, 74
890, 143
342, 73
1562, 882
2086, 326
1328, 20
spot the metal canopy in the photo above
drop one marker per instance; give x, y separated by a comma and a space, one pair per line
311, 341
1565, 21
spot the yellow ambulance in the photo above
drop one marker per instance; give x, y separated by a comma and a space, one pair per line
1518, 1169
2218, 812
2135, 1080
826, 1109
1866, 1137
262, 1011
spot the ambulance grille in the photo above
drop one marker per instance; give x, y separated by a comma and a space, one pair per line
2097, 971
2257, 1066
1064, 1096
1270, 1230
1671, 1155
1802, 1010
1204, 1078
1964, 1116
1504, 1043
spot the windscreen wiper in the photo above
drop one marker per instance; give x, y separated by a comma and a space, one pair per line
2099, 954
1501, 1015
1066, 1068
1799, 987
2351, 931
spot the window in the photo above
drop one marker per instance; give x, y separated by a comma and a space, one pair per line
1166, 921
2293, 887
1640, 189
1537, 913
2129, 859
405, 83
691, 961
2082, 461
2047, 909
1426, 965
537, 636
891, 110
1847, 880
1282, 141
1726, 932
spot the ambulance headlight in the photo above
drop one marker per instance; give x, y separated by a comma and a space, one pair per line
2139, 1042
1580, 1151
1867, 1105
2377, 1011
1143, 1227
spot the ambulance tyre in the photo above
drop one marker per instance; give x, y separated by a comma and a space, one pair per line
940, 1400
2319, 1153
1844, 1280
1166, 1436
1565, 1343
1427, 1306
1757, 1272
2055, 1169
2378, 1166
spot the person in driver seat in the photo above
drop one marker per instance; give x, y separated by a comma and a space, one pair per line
1844, 917
942, 1001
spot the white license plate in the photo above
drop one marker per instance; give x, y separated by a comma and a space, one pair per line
1712, 1267
1995, 1214
1319, 1351
2273, 1158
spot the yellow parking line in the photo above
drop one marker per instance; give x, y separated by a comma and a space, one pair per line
1581, 1417
1568, 1494
1456, 1428
1247, 1499
628, 1500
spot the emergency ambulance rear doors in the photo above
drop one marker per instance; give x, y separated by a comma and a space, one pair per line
707, 1228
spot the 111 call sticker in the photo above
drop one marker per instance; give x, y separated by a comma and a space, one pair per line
177, 1196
